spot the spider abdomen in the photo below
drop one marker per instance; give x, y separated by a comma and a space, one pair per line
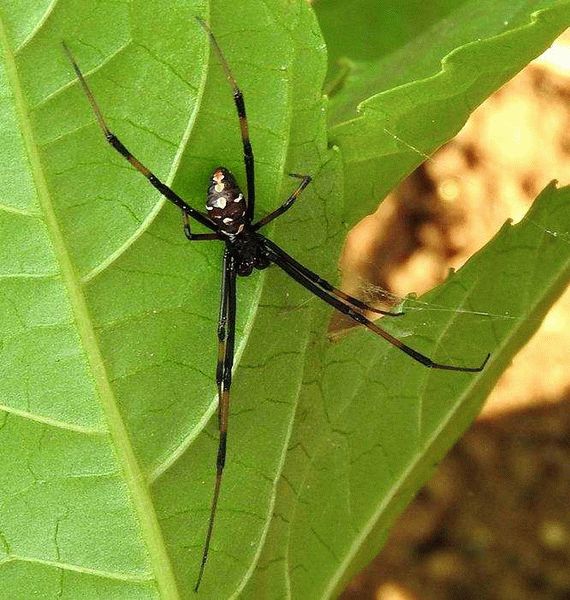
226, 204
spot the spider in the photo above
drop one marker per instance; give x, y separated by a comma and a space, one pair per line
230, 219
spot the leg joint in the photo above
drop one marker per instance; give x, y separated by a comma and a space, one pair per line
238, 99
118, 145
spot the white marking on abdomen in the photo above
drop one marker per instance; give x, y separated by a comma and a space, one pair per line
220, 202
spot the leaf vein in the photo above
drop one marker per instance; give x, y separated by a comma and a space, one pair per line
38, 26
79, 569
51, 421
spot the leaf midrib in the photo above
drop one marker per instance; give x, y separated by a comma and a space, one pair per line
133, 475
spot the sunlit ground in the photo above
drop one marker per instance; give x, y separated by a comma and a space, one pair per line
511, 147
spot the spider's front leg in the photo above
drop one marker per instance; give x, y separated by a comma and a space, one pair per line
324, 284
300, 274
226, 340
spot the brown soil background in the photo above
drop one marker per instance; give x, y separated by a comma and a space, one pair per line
494, 522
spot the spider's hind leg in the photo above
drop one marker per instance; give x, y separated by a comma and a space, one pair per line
243, 123
116, 143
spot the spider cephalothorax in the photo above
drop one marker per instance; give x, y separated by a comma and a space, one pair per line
249, 252
226, 204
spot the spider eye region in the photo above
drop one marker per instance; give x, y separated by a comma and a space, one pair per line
226, 204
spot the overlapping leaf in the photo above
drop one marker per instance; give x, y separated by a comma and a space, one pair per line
413, 86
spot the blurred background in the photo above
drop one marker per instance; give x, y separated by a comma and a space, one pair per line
494, 522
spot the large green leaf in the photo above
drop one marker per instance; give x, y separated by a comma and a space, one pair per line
107, 337
412, 87
371, 426
109, 344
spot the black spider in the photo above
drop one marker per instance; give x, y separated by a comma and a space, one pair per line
230, 217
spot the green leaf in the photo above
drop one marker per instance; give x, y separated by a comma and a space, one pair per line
373, 29
413, 87
108, 331
109, 344
371, 425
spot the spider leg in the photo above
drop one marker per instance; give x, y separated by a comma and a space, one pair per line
196, 237
124, 152
243, 124
325, 285
346, 309
287, 204
226, 338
